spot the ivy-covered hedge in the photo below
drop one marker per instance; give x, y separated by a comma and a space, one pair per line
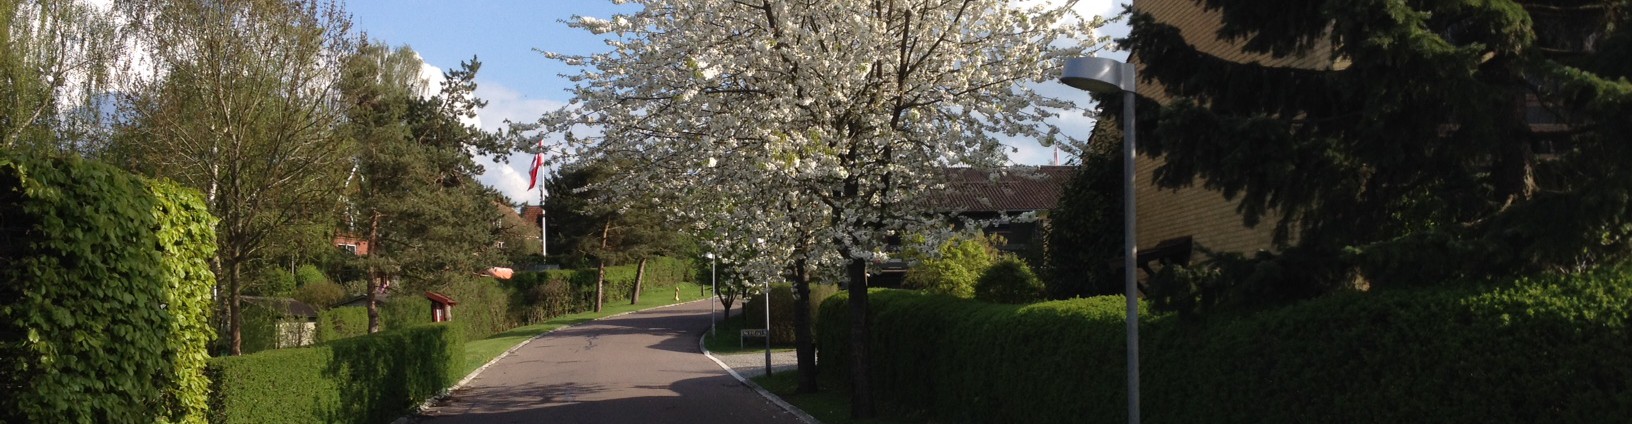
106, 287
368, 379
1545, 349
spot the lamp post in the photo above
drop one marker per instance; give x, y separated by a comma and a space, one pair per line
1108, 76
767, 328
715, 295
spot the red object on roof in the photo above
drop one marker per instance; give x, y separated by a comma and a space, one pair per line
440, 298
499, 272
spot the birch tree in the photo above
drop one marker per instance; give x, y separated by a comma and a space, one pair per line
58, 59
240, 103
832, 116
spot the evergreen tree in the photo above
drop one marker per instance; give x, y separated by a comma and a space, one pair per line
1447, 138
412, 192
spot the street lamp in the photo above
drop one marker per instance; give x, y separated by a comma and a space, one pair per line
715, 285
1108, 76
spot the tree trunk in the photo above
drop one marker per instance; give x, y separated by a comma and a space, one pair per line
640, 275
235, 313
600, 283
374, 277
600, 274
861, 392
804, 344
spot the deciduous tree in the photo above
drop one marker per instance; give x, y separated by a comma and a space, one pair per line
832, 115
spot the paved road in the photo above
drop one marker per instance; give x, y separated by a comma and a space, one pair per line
643, 367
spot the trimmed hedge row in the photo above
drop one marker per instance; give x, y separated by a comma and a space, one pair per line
106, 288
368, 379
1542, 349
339, 323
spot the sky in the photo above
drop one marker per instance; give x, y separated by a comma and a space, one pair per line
520, 84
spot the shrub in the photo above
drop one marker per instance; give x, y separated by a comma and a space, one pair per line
106, 287
483, 309
320, 294
308, 275
340, 323
369, 379
1009, 281
270, 281
954, 269
1543, 349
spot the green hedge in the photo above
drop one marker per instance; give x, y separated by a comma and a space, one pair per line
369, 379
539, 296
1546, 349
106, 287
782, 309
340, 323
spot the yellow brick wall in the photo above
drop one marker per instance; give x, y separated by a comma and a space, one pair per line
1194, 211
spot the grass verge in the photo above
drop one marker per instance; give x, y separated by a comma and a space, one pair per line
478, 352
830, 406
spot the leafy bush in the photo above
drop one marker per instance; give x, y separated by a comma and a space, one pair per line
259, 330
308, 275
106, 287
1544, 349
270, 281
369, 379
1009, 281
320, 294
954, 269
340, 323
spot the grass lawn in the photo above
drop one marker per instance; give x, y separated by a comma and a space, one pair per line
478, 352
830, 406
727, 337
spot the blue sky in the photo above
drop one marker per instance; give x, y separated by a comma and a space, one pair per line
518, 83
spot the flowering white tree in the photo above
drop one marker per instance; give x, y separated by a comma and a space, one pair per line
813, 125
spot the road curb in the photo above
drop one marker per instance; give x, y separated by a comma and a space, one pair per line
799, 413
426, 405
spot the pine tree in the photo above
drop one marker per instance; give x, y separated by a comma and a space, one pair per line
1448, 138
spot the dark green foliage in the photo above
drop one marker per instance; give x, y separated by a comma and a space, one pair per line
1009, 281
1085, 230
368, 379
405, 311
270, 281
1489, 134
320, 295
260, 326
106, 288
540, 296
753, 311
1544, 349
340, 323
483, 309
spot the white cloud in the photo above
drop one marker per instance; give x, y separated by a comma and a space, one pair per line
505, 104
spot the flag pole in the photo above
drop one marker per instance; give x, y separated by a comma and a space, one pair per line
543, 230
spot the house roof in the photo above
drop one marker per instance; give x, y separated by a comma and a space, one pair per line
1016, 189
440, 298
283, 305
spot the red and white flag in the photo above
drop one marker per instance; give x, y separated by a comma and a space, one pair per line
538, 162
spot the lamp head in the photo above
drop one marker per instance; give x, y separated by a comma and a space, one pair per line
1097, 74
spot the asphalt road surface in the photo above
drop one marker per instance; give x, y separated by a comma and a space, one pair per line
643, 367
